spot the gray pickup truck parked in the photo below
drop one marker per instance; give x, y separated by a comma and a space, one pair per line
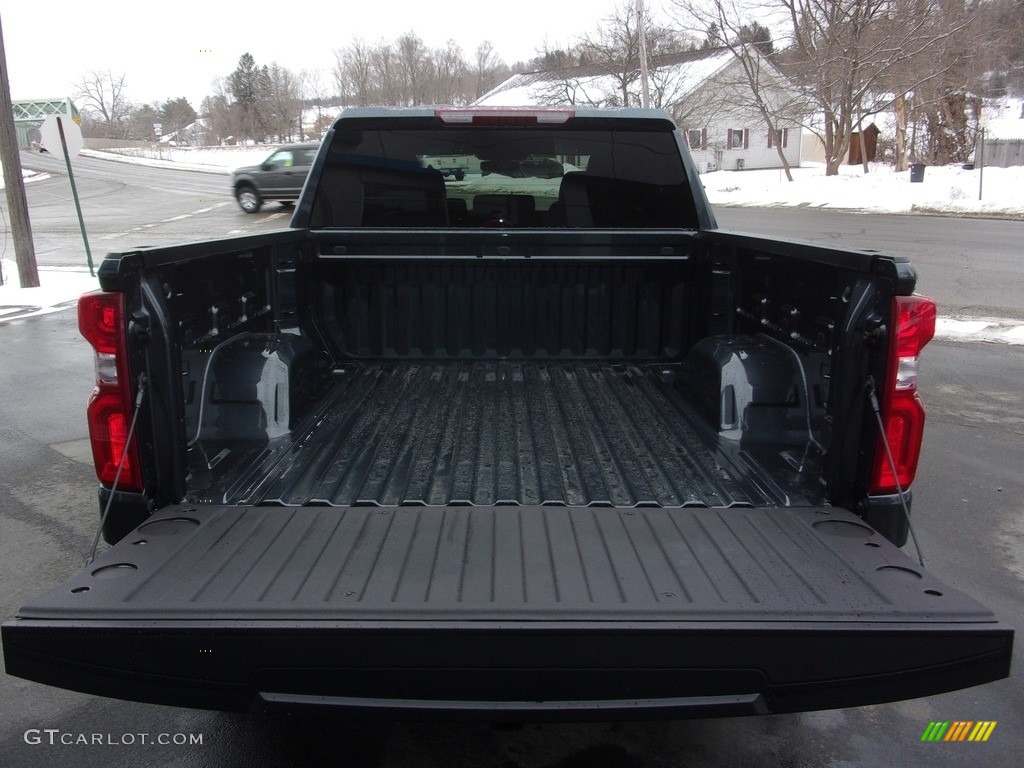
537, 443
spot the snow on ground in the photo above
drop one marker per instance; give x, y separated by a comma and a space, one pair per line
945, 189
28, 176
992, 329
209, 159
58, 286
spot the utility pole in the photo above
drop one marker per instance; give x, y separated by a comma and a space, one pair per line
644, 79
14, 184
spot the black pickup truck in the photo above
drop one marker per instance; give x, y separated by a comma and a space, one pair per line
539, 442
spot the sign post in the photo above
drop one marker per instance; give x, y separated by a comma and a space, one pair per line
979, 152
981, 162
60, 129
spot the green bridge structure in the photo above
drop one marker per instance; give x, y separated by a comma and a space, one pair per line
29, 115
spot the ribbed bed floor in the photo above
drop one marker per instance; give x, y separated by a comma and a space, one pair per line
451, 433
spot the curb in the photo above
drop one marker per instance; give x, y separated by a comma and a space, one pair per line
929, 212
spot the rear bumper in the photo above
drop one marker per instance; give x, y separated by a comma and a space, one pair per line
514, 672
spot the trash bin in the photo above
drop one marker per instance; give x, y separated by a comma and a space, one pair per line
917, 172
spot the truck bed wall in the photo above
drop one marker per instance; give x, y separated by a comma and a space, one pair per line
605, 310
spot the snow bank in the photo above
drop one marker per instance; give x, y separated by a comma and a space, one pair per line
59, 285
28, 176
945, 189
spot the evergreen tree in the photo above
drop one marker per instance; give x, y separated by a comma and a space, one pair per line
758, 35
713, 38
176, 114
244, 87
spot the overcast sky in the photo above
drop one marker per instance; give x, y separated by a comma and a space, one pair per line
172, 49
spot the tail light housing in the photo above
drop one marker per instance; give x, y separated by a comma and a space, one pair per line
902, 411
101, 320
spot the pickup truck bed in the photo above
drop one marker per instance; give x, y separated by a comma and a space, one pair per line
514, 432
591, 612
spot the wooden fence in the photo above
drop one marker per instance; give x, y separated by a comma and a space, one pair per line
1003, 153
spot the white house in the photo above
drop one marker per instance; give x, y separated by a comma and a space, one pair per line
706, 92
195, 134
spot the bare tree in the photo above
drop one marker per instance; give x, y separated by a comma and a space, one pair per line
946, 106
753, 84
487, 64
354, 73
449, 75
280, 102
314, 93
406, 72
844, 51
102, 94
614, 49
415, 65
217, 109
342, 87
603, 66
386, 73
1000, 23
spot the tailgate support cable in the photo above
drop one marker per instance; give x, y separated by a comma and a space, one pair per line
869, 387
811, 440
120, 466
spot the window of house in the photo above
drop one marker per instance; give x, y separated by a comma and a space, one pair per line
778, 138
736, 138
694, 139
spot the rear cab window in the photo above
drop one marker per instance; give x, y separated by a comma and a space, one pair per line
423, 173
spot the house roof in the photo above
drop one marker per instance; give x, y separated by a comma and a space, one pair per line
683, 72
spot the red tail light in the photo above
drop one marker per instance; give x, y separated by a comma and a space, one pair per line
913, 324
101, 320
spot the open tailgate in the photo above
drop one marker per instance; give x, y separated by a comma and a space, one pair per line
507, 612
